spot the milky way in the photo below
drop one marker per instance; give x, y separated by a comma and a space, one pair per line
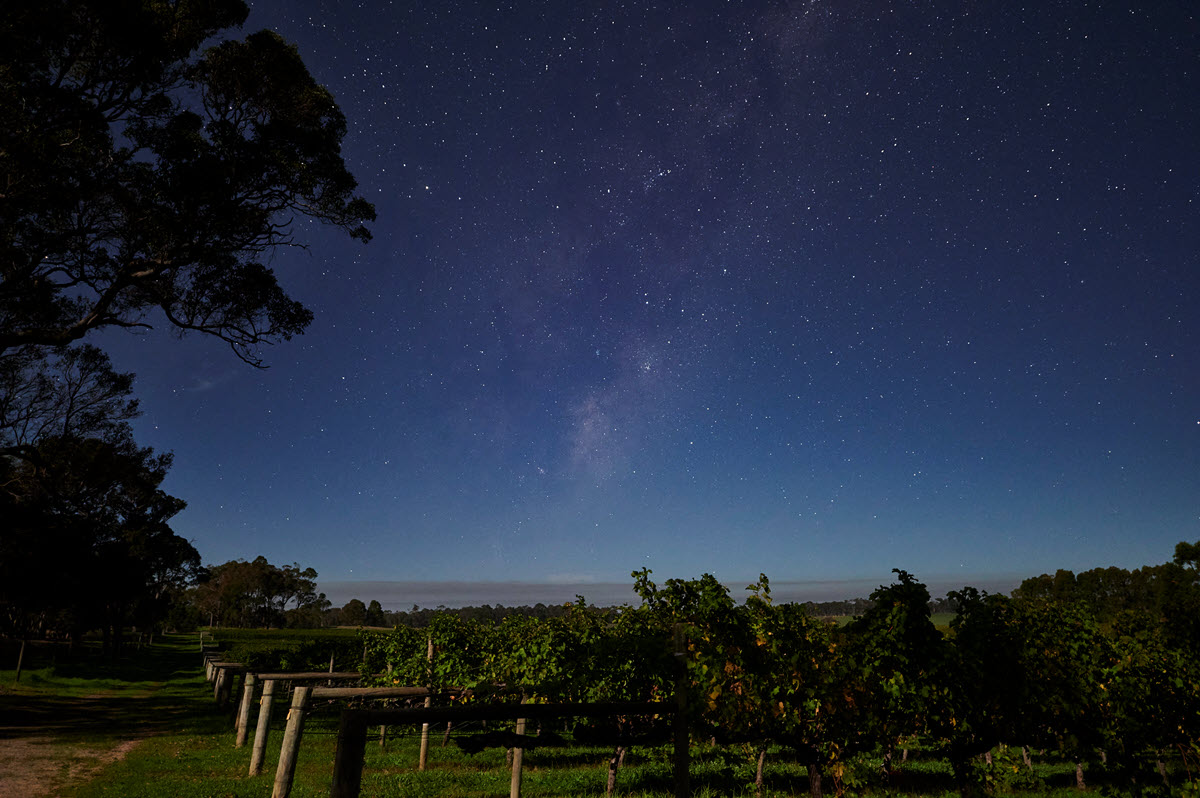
814, 289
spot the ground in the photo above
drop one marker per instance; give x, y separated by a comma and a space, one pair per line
68, 718
40, 766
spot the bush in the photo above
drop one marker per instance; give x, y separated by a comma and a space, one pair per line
292, 650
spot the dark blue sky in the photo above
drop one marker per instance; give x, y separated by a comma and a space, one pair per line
815, 289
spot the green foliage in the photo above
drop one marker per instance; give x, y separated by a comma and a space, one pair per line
286, 650
896, 653
990, 679
396, 657
1151, 699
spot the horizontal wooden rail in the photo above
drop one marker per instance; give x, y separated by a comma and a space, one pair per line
301, 676
369, 692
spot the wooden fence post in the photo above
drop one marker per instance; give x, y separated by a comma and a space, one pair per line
219, 676
227, 698
243, 716
264, 726
348, 760
682, 787
514, 787
383, 728
424, 755
286, 770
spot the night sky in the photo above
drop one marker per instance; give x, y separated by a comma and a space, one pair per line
816, 289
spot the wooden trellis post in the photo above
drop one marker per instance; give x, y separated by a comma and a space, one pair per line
243, 716
424, 756
518, 758
264, 726
682, 741
286, 772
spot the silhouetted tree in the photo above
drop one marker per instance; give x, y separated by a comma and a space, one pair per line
142, 175
66, 393
141, 171
257, 593
374, 615
354, 613
87, 542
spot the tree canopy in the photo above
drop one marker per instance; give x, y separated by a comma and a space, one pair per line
71, 392
257, 593
141, 170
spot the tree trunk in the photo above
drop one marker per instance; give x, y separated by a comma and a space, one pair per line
20, 659
614, 763
758, 774
446, 736
1079, 782
814, 780
1162, 771
1026, 757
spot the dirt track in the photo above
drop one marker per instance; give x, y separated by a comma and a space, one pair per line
49, 741
41, 766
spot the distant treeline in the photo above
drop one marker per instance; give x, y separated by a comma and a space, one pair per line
258, 594
420, 617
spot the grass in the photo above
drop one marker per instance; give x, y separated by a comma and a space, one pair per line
158, 689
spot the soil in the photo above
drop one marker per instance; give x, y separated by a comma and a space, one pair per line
41, 766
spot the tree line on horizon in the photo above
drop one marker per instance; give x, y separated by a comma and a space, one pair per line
258, 594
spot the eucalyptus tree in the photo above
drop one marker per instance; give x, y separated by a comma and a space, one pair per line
149, 167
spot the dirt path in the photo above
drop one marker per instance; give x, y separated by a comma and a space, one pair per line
53, 740
40, 767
